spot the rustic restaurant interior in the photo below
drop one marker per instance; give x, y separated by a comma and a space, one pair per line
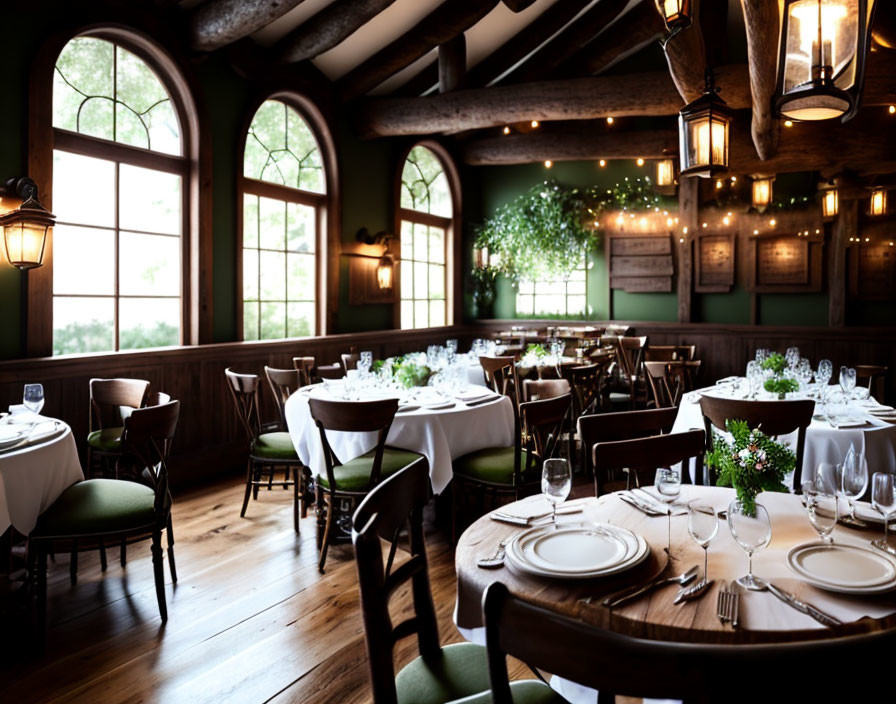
429, 351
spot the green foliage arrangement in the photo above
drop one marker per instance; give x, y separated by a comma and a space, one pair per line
775, 361
781, 386
404, 371
751, 462
536, 350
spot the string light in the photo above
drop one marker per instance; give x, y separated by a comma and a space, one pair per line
788, 123
755, 232
610, 120
548, 163
719, 184
640, 162
602, 163
705, 225
534, 124
734, 179
726, 220
772, 222
506, 129
685, 229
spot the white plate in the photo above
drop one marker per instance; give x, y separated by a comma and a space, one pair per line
439, 405
574, 549
407, 408
843, 568
10, 436
875, 407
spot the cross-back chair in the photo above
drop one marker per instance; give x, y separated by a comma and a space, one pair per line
346, 483
629, 356
284, 383
268, 451
667, 381
540, 389
350, 360
305, 366
500, 374
393, 512
111, 400
774, 418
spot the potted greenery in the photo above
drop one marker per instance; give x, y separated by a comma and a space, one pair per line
778, 383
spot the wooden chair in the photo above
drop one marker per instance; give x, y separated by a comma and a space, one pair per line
872, 375
349, 482
99, 511
669, 353
439, 674
624, 425
667, 382
306, 369
331, 371
350, 361
268, 451
284, 383
500, 374
110, 401
774, 418
693, 672
537, 390
629, 355
510, 471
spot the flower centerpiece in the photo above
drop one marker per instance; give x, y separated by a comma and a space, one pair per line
751, 462
778, 383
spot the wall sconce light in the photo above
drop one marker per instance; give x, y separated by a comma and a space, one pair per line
762, 191
665, 173
25, 228
703, 133
385, 268
830, 200
878, 205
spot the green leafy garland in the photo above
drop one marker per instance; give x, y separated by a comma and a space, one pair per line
752, 462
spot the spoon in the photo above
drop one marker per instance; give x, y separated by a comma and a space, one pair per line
618, 598
693, 592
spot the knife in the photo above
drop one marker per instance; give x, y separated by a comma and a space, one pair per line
802, 606
735, 590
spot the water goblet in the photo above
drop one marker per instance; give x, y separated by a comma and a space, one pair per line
751, 532
556, 483
792, 356
33, 398
821, 507
883, 499
854, 483
823, 377
847, 380
668, 486
451, 345
761, 354
703, 525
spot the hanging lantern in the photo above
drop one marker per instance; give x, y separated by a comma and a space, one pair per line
703, 127
675, 13
762, 191
878, 205
665, 172
830, 200
25, 228
821, 63
384, 271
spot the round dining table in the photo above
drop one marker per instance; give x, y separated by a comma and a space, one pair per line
35, 473
763, 617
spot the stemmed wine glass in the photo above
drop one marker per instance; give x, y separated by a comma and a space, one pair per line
33, 398
847, 380
792, 356
754, 377
823, 376
556, 483
821, 502
703, 525
751, 532
668, 486
883, 499
854, 483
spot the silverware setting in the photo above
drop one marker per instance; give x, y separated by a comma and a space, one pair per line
693, 592
801, 606
728, 604
616, 599
496, 560
648, 508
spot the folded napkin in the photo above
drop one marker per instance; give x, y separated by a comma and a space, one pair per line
42, 432
533, 509
473, 393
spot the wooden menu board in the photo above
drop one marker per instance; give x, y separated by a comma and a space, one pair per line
872, 271
641, 263
715, 263
786, 264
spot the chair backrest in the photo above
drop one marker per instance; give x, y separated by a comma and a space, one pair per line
537, 390
631, 354
624, 425
774, 418
350, 360
869, 373
542, 425
648, 454
353, 417
305, 367
496, 376
667, 381
586, 381
148, 434
284, 383
331, 371
109, 396
393, 506
244, 390
694, 672
669, 353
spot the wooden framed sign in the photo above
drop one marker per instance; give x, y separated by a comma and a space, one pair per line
786, 263
872, 271
714, 270
641, 263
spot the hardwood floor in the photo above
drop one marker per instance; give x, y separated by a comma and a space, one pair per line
250, 620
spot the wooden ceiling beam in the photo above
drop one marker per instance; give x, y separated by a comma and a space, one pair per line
442, 24
517, 5
216, 23
686, 56
571, 99
452, 63
327, 28
761, 18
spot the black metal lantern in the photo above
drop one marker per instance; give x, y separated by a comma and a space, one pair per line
675, 13
25, 228
703, 129
821, 64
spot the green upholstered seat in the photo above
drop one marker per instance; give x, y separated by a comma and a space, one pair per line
106, 440
523, 692
493, 464
275, 446
462, 671
618, 397
355, 474
98, 506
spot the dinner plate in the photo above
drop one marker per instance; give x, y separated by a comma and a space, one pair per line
874, 407
10, 436
439, 405
843, 568
407, 408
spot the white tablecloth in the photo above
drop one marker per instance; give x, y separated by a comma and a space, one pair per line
876, 439
33, 477
439, 435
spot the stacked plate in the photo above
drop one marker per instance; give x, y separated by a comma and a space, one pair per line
887, 413
10, 436
848, 569
578, 550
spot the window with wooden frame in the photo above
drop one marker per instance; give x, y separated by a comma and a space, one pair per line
120, 194
426, 215
283, 192
563, 297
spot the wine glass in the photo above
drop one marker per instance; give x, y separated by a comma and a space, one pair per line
556, 482
451, 345
883, 499
668, 486
703, 525
847, 380
754, 377
751, 532
821, 506
33, 398
823, 377
761, 354
792, 356
854, 483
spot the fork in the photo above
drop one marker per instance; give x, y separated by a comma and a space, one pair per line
727, 606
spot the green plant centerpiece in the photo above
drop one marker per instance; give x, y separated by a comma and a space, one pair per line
404, 370
778, 384
751, 462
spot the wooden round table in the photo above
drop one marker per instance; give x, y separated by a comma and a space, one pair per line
763, 618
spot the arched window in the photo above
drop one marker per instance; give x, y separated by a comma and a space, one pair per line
426, 214
283, 190
120, 196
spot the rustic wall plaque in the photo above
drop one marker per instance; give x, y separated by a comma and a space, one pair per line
786, 263
715, 263
872, 272
641, 263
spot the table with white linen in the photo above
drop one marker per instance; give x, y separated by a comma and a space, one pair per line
440, 435
33, 476
824, 443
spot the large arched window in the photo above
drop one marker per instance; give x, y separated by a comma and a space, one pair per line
120, 196
426, 214
283, 191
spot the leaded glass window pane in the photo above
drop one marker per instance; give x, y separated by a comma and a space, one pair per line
424, 186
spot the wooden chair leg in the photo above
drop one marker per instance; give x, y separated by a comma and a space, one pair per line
158, 567
171, 565
103, 563
73, 564
40, 582
325, 544
123, 552
249, 477
256, 482
455, 487
306, 490
295, 499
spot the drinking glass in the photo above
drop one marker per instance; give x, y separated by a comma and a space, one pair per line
823, 376
668, 486
821, 507
556, 482
792, 356
883, 499
854, 481
33, 398
451, 345
703, 525
754, 377
847, 380
761, 354
751, 533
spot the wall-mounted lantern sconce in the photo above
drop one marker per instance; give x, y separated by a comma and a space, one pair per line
385, 270
371, 278
762, 191
25, 228
830, 200
878, 205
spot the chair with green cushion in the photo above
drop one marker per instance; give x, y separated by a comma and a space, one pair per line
268, 451
110, 402
347, 483
503, 471
438, 675
99, 511
284, 383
